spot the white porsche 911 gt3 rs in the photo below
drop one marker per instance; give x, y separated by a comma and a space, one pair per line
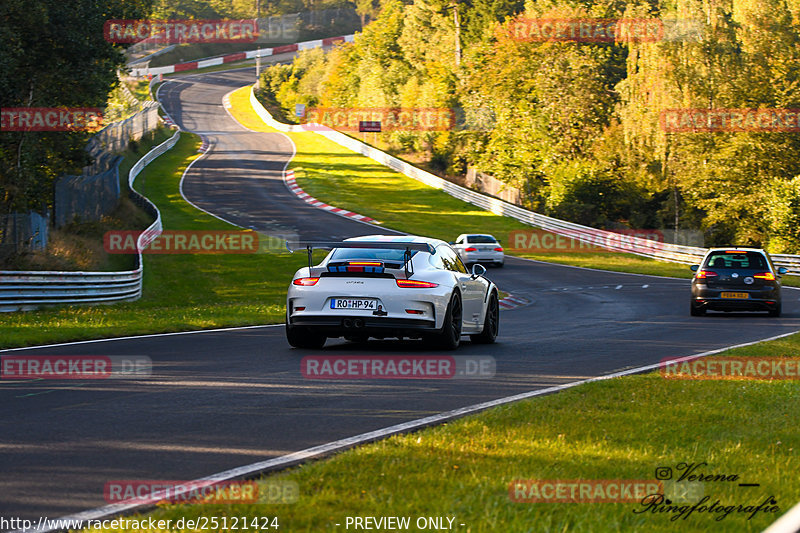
389, 287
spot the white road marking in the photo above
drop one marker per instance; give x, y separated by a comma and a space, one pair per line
145, 336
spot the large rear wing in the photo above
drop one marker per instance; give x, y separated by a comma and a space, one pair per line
310, 246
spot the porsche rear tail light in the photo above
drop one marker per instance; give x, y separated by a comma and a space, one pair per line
470, 249
703, 274
415, 284
305, 282
769, 276
498, 249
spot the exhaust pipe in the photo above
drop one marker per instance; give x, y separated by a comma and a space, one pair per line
359, 323
347, 323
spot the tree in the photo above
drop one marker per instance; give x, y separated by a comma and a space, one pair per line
54, 54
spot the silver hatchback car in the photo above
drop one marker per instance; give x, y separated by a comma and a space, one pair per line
480, 248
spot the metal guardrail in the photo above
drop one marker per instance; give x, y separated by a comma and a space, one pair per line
23, 291
610, 240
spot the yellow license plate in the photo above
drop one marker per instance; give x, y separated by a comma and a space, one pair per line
734, 295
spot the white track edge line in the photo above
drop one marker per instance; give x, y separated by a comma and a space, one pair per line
142, 336
787, 523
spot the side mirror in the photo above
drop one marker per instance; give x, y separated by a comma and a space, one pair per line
782, 271
452, 242
694, 268
478, 270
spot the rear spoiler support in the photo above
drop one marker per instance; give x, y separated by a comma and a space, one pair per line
310, 246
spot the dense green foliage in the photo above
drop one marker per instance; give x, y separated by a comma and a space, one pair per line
577, 123
53, 55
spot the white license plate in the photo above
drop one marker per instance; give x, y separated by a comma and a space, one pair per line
353, 303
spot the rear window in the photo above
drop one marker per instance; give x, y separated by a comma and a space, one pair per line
481, 239
348, 254
744, 260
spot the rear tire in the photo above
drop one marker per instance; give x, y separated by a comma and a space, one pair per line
696, 311
491, 323
450, 336
302, 338
776, 312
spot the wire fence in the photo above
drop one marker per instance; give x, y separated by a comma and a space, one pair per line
114, 138
96, 192
86, 198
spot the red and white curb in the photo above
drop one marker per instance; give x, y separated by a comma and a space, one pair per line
289, 180
512, 302
203, 147
240, 56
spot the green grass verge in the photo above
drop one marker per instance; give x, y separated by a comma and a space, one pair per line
181, 292
618, 429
